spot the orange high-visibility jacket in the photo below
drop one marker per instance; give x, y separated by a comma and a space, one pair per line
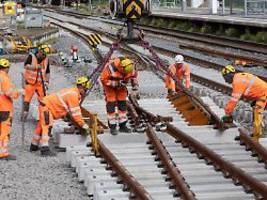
247, 85
31, 75
63, 102
181, 73
7, 92
112, 74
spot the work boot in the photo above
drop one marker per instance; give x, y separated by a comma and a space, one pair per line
113, 131
45, 151
9, 157
124, 128
34, 147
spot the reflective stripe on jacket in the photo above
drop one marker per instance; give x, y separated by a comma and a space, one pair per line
63, 102
7, 92
182, 74
247, 85
31, 75
112, 73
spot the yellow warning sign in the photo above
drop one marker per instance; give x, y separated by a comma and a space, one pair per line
133, 8
94, 39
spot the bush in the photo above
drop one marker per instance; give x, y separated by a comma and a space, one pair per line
261, 37
232, 32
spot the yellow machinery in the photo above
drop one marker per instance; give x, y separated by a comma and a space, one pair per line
10, 8
19, 44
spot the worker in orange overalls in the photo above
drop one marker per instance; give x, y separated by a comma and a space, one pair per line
55, 106
251, 87
35, 65
115, 76
181, 71
7, 94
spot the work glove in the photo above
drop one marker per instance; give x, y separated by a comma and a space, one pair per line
122, 83
86, 129
227, 119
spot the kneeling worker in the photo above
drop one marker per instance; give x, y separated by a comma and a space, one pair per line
7, 94
56, 106
251, 87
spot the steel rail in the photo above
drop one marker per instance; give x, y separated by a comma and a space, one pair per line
225, 55
256, 148
208, 39
177, 179
134, 186
165, 51
250, 183
201, 37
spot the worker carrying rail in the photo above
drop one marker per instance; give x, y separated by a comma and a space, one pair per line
36, 65
251, 87
115, 76
58, 105
7, 94
181, 70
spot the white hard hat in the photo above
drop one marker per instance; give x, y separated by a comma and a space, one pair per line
179, 59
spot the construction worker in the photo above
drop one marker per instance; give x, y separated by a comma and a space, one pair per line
35, 65
251, 87
58, 105
181, 71
115, 76
7, 94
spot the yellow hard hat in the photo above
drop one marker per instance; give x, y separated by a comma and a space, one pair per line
84, 81
45, 48
127, 65
227, 70
4, 63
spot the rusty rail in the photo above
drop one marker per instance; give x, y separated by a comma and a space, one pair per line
238, 175
256, 148
177, 179
134, 186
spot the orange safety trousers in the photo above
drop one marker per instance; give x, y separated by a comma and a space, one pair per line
116, 97
258, 117
30, 89
5, 127
45, 123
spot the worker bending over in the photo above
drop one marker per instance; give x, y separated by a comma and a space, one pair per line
7, 94
181, 71
56, 106
251, 87
115, 76
35, 65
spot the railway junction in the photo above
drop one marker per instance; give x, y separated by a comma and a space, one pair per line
175, 144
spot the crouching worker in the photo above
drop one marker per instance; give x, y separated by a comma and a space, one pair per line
56, 106
251, 87
7, 94
181, 71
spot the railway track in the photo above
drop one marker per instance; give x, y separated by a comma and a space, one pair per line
204, 164
155, 166
204, 39
165, 50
